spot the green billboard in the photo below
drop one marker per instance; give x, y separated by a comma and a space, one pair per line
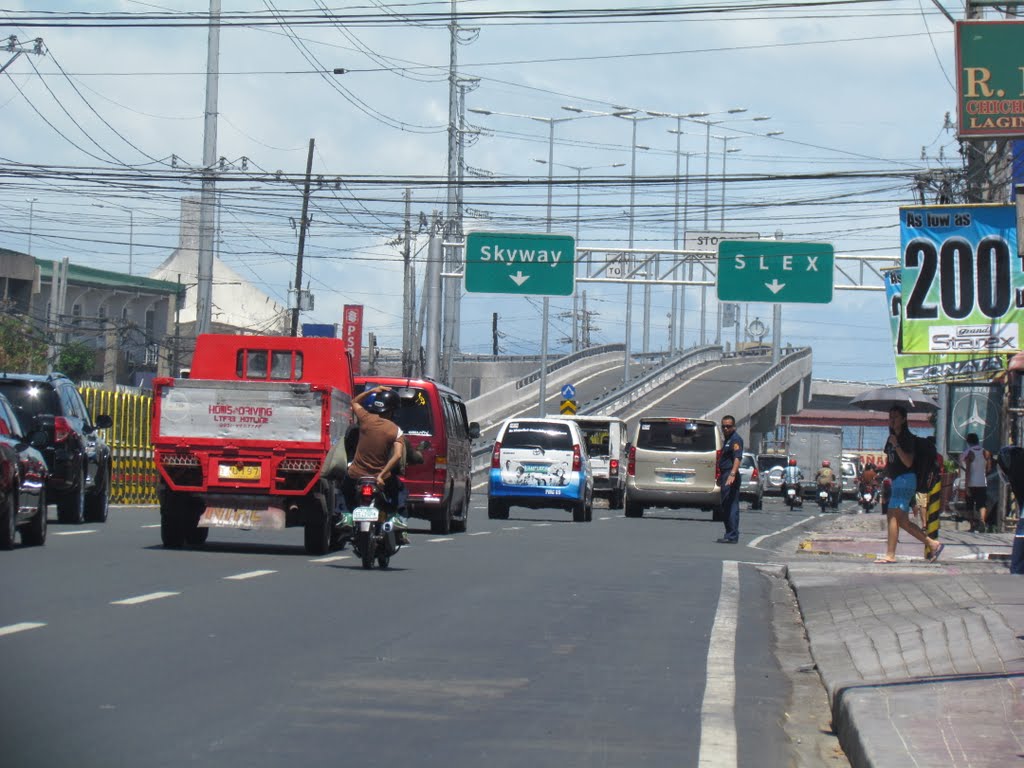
990, 78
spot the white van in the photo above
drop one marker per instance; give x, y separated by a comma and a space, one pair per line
606, 441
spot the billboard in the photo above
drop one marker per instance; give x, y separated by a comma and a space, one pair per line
990, 79
962, 280
352, 333
921, 369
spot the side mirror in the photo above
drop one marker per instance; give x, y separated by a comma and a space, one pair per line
474, 430
104, 421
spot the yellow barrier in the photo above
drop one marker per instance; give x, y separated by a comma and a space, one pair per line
134, 475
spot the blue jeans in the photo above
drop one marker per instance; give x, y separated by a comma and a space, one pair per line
731, 510
1017, 558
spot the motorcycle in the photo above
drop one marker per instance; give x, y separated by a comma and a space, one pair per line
793, 496
824, 497
374, 536
866, 498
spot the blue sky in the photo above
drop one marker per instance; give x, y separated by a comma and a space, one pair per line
859, 91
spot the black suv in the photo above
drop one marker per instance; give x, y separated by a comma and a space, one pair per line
76, 454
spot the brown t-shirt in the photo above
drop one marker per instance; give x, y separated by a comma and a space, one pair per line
377, 435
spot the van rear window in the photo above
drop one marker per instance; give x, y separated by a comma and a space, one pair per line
549, 437
414, 414
597, 440
676, 436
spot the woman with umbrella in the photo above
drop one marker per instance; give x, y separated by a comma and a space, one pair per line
899, 469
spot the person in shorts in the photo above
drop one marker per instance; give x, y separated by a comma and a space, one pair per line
902, 483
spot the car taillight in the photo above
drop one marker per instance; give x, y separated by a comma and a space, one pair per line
441, 469
61, 429
631, 462
577, 459
718, 469
754, 474
613, 467
496, 457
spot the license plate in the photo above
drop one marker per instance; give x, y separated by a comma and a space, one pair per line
365, 514
676, 477
236, 472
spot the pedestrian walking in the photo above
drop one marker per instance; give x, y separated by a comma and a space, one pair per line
973, 462
899, 471
993, 490
729, 480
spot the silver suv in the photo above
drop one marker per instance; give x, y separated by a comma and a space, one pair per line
673, 463
751, 486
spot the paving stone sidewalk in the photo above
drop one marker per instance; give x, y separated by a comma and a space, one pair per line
923, 662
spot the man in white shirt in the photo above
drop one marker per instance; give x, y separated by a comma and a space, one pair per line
972, 460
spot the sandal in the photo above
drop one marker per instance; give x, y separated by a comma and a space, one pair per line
937, 551
884, 560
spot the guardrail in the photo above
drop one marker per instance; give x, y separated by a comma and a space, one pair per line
787, 359
569, 360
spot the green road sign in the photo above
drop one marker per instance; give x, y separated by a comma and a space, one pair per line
775, 271
533, 264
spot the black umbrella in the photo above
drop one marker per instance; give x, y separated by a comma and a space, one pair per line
914, 400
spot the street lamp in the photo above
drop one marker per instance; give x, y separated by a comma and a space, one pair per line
551, 122
131, 229
575, 297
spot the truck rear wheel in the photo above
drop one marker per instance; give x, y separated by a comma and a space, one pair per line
318, 535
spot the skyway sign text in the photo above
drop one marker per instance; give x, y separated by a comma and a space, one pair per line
775, 272
524, 263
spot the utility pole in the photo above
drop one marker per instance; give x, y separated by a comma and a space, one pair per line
207, 199
435, 255
408, 291
302, 241
494, 334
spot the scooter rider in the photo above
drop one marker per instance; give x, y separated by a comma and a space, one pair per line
791, 477
380, 449
826, 478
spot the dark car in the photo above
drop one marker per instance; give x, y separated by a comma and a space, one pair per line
76, 454
22, 482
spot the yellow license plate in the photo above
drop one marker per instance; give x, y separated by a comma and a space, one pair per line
236, 472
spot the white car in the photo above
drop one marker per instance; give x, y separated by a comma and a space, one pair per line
540, 463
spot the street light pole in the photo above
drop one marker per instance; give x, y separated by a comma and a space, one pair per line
131, 228
31, 209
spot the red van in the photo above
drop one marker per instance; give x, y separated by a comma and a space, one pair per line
433, 418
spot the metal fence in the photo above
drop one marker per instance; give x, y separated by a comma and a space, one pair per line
134, 476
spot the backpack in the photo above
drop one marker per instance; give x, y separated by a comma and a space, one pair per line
924, 463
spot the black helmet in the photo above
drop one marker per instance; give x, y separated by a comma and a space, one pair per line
384, 402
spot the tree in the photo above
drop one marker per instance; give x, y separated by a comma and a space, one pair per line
22, 347
76, 360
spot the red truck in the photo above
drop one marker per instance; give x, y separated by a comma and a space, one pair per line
242, 441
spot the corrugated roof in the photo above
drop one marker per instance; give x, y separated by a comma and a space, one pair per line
113, 280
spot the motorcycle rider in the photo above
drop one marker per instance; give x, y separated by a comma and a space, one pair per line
791, 476
868, 481
826, 478
379, 452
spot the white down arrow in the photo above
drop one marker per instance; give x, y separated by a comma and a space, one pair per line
519, 278
775, 286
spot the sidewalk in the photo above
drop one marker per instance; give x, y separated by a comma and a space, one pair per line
923, 662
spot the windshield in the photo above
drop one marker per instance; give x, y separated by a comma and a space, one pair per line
413, 415
677, 435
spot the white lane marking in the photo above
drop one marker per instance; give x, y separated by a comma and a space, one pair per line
513, 528
718, 711
151, 525
144, 598
604, 518
330, 559
481, 533
759, 539
443, 538
73, 533
10, 629
537, 525
248, 575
